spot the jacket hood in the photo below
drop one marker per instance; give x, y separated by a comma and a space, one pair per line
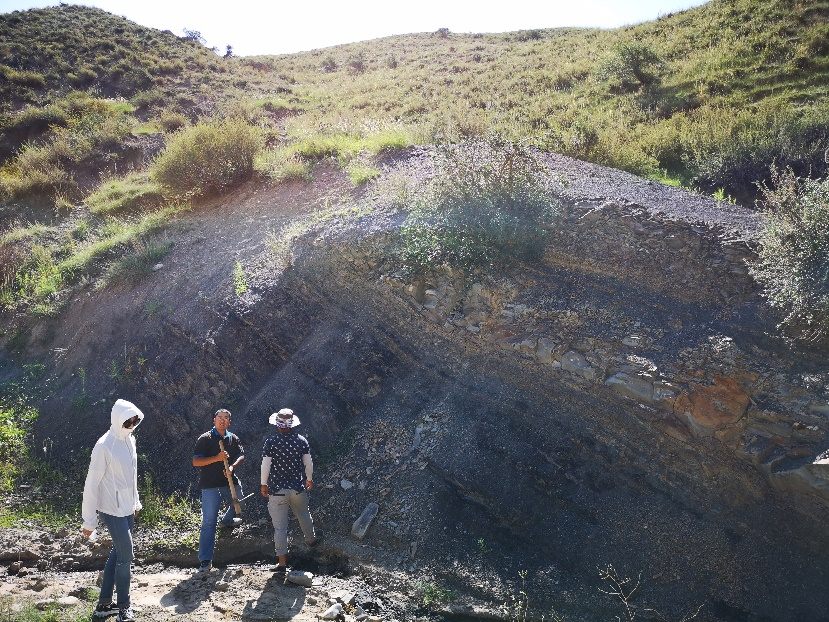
121, 411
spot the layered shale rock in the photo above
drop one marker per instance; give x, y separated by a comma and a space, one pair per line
626, 400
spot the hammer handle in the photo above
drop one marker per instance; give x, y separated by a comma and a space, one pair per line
229, 476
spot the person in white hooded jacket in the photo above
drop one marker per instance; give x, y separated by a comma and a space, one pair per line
111, 494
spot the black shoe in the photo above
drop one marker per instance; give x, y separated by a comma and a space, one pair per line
234, 522
279, 569
104, 611
125, 614
206, 565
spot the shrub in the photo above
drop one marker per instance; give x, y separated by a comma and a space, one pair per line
631, 66
82, 76
36, 119
208, 158
172, 121
329, 64
147, 99
357, 62
793, 262
488, 201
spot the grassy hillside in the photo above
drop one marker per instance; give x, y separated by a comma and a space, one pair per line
709, 97
113, 127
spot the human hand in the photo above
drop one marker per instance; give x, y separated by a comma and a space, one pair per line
309, 484
264, 490
86, 532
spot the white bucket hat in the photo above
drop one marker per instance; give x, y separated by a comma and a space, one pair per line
285, 418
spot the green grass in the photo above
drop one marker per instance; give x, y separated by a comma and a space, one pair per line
17, 416
134, 192
39, 513
578, 90
20, 610
360, 173
433, 594
139, 262
51, 268
167, 510
240, 279
709, 97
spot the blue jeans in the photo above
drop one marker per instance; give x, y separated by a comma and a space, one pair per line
117, 571
211, 501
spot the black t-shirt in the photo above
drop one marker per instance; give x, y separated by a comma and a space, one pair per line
213, 475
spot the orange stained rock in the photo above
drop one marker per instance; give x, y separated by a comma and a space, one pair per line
715, 406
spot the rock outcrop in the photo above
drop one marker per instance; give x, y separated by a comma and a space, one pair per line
627, 400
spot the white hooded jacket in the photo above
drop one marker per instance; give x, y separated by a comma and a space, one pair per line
112, 481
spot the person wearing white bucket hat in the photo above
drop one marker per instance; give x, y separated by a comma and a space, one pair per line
286, 458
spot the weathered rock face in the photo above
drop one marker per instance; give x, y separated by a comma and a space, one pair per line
624, 401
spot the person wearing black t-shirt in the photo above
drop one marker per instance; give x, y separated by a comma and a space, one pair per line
287, 475
213, 482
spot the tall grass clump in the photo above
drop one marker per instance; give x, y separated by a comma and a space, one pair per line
139, 262
134, 192
793, 261
208, 158
489, 200
282, 165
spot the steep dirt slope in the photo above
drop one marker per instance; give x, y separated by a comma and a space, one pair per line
624, 401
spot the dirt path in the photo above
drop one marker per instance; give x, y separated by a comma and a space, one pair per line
236, 592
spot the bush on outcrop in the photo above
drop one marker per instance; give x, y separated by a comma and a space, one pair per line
488, 200
793, 263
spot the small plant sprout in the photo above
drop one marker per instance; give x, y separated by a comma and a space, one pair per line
240, 279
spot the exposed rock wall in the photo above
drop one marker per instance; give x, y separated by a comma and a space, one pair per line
626, 400
664, 314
